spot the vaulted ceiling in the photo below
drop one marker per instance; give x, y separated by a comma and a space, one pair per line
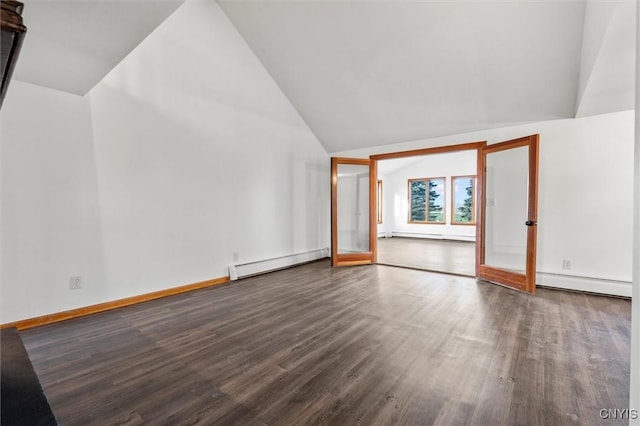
71, 45
366, 73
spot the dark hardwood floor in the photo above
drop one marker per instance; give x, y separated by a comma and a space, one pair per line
360, 345
452, 257
22, 401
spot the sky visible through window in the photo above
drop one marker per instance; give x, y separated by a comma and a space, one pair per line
463, 187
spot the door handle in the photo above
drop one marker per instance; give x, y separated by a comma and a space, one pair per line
530, 223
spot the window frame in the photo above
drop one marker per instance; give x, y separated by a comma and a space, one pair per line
474, 179
426, 201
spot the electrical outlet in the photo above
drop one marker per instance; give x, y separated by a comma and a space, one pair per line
566, 264
75, 283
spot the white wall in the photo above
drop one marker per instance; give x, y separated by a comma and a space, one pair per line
585, 196
201, 159
50, 215
186, 158
396, 201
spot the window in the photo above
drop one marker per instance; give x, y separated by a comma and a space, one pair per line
426, 200
463, 199
379, 202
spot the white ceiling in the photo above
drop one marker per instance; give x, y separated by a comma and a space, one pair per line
366, 73
373, 73
607, 78
72, 45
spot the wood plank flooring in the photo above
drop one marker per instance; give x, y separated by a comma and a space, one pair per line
453, 257
361, 345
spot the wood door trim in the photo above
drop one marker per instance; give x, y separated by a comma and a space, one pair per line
532, 214
478, 146
353, 263
498, 275
346, 160
353, 258
373, 214
334, 211
511, 144
480, 221
527, 280
429, 151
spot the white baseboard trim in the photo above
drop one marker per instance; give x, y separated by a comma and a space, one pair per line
591, 285
434, 236
246, 269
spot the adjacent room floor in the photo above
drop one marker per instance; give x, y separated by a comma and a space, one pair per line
321, 345
453, 257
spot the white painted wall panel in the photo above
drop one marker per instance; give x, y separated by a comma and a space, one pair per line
186, 158
202, 161
50, 213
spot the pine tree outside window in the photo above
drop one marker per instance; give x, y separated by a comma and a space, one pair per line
463, 211
427, 200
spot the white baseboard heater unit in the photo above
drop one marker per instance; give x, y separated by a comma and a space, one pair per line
434, 236
247, 269
610, 287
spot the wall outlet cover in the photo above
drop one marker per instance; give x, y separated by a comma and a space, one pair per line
75, 283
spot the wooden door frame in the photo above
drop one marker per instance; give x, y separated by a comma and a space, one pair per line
441, 150
482, 147
355, 258
528, 282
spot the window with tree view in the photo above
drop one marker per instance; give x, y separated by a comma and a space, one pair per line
463, 199
426, 200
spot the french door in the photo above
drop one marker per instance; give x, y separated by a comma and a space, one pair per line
353, 221
508, 213
506, 225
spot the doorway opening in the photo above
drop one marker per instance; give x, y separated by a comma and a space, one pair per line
426, 210
506, 194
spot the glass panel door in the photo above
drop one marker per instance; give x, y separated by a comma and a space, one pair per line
506, 209
352, 224
507, 250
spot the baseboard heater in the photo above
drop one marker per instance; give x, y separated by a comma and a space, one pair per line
610, 287
247, 269
434, 236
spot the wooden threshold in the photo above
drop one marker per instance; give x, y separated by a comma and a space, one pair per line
107, 306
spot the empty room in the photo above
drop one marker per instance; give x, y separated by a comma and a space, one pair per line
206, 204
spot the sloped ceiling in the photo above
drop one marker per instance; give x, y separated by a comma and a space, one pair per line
72, 45
366, 73
607, 79
371, 73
